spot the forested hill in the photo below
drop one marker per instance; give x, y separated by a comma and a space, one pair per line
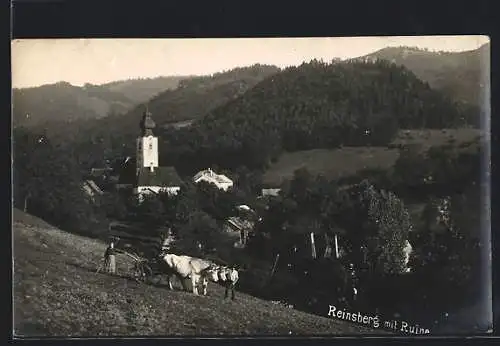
461, 75
142, 89
93, 140
196, 96
65, 102
315, 105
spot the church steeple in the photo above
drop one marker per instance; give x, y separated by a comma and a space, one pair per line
147, 124
147, 144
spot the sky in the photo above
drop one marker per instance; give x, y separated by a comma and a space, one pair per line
97, 61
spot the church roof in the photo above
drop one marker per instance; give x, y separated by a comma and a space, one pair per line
161, 176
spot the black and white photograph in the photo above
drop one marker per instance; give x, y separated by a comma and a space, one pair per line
251, 187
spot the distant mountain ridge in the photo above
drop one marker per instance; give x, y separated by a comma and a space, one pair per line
461, 75
142, 89
65, 102
192, 99
171, 99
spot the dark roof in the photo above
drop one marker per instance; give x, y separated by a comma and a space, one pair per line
238, 223
161, 176
93, 186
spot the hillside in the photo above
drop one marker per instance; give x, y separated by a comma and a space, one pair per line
338, 163
197, 96
65, 102
193, 98
463, 75
58, 293
142, 89
312, 106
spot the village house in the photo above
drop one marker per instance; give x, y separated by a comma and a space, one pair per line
272, 192
221, 181
91, 189
241, 225
240, 228
102, 177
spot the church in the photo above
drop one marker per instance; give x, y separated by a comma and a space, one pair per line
148, 177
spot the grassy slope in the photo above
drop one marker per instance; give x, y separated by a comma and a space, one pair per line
58, 293
335, 163
347, 161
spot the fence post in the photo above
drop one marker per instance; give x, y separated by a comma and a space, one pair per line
328, 246
313, 246
336, 247
273, 269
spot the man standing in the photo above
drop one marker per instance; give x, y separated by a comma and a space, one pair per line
109, 258
354, 282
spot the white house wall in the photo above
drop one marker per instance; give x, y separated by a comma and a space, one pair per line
157, 189
210, 180
408, 249
146, 190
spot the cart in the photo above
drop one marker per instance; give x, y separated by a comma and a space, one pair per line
142, 249
141, 271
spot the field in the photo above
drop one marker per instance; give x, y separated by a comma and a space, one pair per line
343, 162
58, 293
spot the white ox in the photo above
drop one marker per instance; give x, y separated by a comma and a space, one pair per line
189, 267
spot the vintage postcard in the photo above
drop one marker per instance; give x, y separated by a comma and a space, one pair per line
251, 187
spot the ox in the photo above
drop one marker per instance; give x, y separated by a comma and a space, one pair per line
189, 267
228, 277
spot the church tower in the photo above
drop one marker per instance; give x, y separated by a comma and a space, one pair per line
150, 177
147, 144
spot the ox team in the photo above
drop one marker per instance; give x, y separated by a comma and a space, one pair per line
200, 271
184, 267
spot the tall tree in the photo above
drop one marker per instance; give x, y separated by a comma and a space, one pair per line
48, 183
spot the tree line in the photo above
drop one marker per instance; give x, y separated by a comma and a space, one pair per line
315, 105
